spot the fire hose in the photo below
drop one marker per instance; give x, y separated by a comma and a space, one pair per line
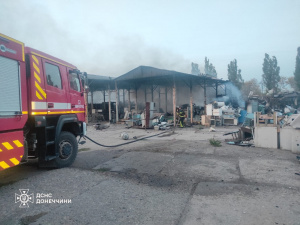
110, 146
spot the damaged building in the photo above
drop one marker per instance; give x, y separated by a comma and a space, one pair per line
113, 98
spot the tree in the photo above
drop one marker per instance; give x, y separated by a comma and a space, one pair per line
286, 83
250, 86
209, 68
195, 69
234, 74
292, 83
297, 70
271, 71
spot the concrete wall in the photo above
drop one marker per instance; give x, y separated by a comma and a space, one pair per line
290, 139
265, 137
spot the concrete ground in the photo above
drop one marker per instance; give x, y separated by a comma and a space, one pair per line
173, 178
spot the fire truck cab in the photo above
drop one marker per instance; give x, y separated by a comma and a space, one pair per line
42, 107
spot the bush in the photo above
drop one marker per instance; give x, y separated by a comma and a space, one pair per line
215, 143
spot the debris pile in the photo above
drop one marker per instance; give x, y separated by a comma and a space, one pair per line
218, 114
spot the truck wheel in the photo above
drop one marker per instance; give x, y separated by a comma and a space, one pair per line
67, 149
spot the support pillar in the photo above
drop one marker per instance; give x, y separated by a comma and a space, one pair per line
104, 99
129, 104
123, 97
117, 102
166, 98
174, 102
152, 93
205, 97
191, 102
109, 104
136, 100
159, 99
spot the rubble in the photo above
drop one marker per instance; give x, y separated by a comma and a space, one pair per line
99, 126
211, 129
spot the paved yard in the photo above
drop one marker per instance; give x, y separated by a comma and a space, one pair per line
174, 178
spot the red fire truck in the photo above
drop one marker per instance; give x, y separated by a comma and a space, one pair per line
42, 107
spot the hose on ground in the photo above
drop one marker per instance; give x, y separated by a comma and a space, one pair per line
110, 146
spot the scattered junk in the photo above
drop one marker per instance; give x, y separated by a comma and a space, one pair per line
268, 131
148, 119
124, 136
211, 129
218, 114
243, 136
99, 126
271, 122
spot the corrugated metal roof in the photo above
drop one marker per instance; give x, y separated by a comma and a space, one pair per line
99, 77
148, 72
99, 82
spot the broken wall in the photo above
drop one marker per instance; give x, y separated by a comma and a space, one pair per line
290, 139
265, 137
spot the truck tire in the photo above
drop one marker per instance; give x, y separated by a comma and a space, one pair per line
67, 149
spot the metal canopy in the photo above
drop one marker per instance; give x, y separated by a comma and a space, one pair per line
100, 83
144, 75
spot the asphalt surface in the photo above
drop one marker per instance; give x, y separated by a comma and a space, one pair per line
178, 178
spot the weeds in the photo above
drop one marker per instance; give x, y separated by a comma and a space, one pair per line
83, 149
215, 143
103, 170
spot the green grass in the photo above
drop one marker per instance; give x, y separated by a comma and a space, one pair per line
103, 170
215, 143
83, 149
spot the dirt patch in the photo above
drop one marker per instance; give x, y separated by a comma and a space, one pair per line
157, 180
31, 219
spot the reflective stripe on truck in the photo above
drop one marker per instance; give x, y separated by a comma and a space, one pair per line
11, 149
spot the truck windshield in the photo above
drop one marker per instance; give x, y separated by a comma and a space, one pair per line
10, 87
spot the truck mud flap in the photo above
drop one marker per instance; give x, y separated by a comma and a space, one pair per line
11, 149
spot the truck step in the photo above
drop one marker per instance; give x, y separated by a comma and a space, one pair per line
50, 127
48, 158
50, 143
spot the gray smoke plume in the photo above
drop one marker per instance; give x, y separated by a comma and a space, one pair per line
86, 43
233, 96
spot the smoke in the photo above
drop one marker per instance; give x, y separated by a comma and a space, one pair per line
233, 96
83, 40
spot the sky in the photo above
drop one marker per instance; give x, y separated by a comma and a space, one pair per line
113, 37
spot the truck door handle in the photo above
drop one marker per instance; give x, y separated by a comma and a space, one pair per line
50, 105
73, 105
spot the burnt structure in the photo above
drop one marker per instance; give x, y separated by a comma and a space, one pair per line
166, 88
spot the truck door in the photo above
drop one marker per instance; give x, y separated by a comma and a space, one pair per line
57, 88
76, 95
